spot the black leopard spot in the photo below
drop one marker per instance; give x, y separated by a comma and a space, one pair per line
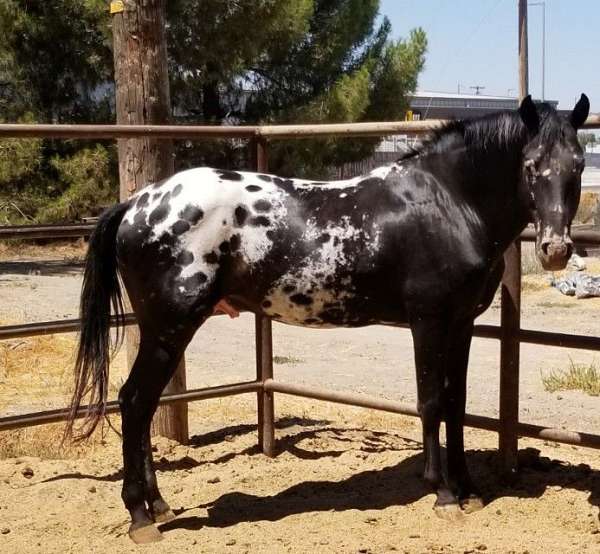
143, 200
180, 227
185, 257
192, 214
253, 188
234, 242
241, 214
229, 175
260, 221
301, 299
262, 205
211, 258
159, 214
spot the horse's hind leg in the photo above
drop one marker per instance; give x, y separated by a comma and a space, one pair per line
155, 364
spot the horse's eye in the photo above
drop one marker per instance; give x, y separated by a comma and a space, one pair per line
578, 164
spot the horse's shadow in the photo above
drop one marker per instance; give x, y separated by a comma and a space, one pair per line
400, 484
391, 486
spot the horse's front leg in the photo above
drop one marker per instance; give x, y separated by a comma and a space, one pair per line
455, 395
430, 343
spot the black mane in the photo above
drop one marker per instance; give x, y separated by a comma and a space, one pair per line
500, 130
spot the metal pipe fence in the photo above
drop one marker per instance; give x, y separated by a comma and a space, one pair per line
265, 386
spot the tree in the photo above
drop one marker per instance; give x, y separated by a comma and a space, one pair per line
308, 61
243, 61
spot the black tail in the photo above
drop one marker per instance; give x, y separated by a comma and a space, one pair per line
100, 290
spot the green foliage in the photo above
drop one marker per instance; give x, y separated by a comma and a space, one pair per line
55, 55
86, 183
267, 61
19, 158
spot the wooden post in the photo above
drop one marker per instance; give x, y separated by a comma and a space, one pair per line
510, 315
142, 97
264, 346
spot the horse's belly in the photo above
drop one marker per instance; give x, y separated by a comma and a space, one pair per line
313, 307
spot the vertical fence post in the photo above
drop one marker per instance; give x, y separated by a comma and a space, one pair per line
264, 345
510, 316
143, 97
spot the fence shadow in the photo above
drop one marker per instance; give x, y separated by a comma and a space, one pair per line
391, 486
42, 267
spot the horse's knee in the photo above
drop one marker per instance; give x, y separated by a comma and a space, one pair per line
430, 411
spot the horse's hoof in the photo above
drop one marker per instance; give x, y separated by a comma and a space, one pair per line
471, 504
165, 516
449, 512
145, 534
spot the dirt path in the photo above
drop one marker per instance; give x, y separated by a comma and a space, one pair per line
345, 481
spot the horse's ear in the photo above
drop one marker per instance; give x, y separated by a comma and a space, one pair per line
580, 112
529, 114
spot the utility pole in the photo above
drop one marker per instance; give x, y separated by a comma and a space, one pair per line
510, 315
143, 97
477, 89
543, 6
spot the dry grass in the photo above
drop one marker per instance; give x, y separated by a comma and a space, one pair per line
530, 265
286, 360
72, 250
45, 442
583, 377
587, 208
35, 375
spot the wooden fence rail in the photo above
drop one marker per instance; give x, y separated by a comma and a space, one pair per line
265, 386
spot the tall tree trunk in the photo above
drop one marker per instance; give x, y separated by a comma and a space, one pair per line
142, 97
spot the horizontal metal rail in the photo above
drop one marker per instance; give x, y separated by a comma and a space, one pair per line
375, 129
476, 421
42, 328
351, 399
366, 129
545, 338
55, 416
33, 232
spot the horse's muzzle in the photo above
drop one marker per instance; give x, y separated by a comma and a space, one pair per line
554, 252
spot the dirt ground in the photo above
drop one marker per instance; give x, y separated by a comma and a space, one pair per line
344, 480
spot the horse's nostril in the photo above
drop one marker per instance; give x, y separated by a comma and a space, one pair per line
544, 247
569, 249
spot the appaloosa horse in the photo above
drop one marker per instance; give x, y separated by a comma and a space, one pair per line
418, 241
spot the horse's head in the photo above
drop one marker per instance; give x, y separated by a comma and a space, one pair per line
552, 164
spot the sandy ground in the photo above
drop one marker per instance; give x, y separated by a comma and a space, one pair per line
345, 480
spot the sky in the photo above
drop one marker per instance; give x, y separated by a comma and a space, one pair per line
474, 42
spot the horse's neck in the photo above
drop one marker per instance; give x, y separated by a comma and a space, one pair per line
495, 179
488, 179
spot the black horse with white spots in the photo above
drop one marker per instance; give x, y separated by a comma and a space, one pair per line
419, 241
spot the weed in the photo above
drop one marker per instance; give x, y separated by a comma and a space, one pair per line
584, 377
286, 360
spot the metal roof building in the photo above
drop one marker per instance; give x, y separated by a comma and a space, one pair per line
452, 105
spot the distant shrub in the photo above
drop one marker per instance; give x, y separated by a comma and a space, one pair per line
87, 185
